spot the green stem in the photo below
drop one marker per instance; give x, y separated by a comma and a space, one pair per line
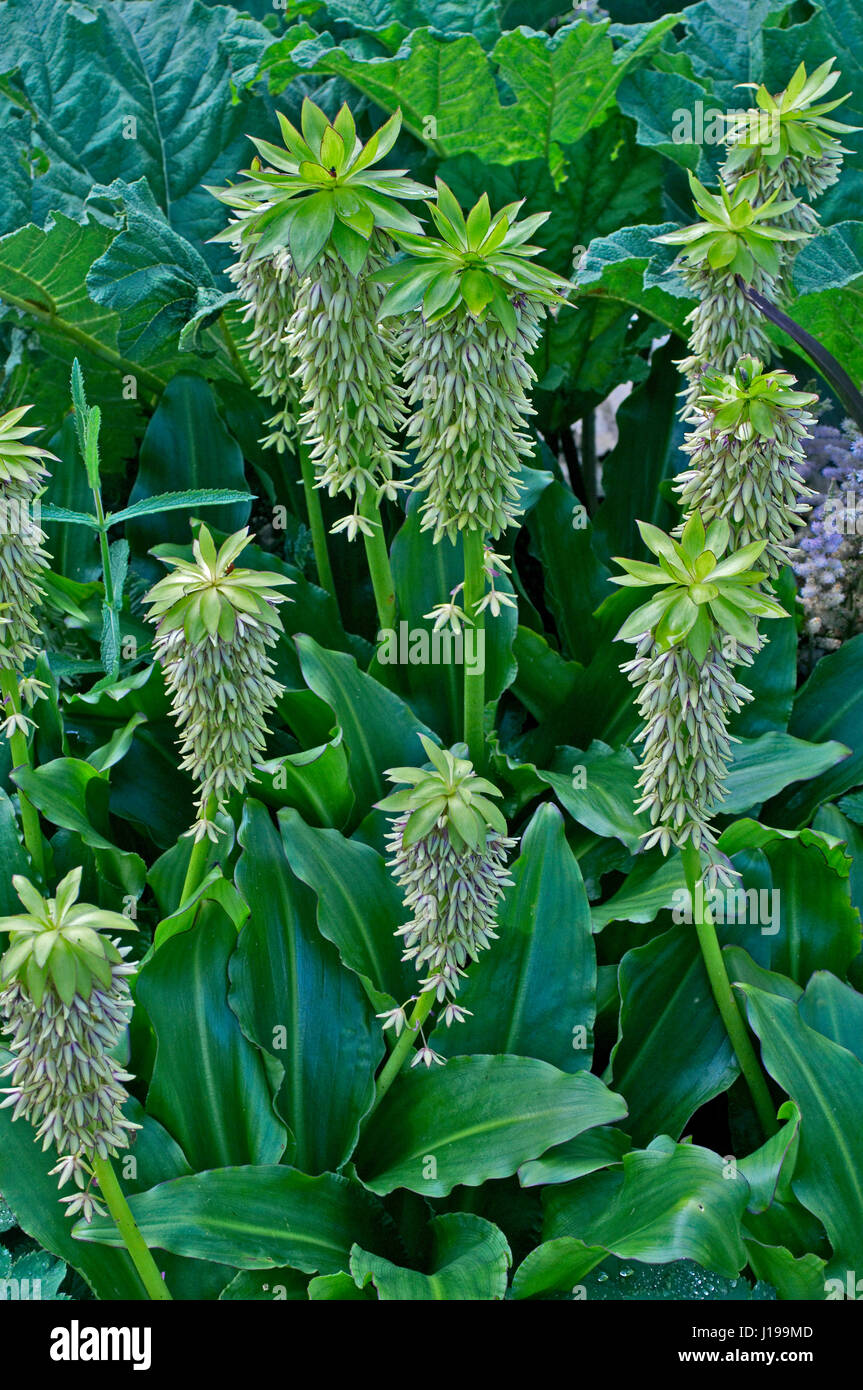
474, 677
21, 758
134, 1242
379, 562
393, 1066
724, 995
107, 576
316, 523
198, 859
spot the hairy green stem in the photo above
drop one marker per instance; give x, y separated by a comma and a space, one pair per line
198, 859
474, 677
316, 524
134, 1242
21, 758
724, 995
394, 1062
379, 562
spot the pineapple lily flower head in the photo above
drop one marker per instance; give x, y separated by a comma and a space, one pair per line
449, 792
64, 995
214, 626
748, 401
478, 263
207, 596
704, 593
321, 189
58, 944
448, 852
793, 123
733, 235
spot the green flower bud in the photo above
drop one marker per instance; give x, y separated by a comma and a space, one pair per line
449, 847
64, 994
214, 625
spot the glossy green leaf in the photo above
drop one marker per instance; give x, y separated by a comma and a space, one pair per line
474, 1119
296, 1000
673, 1053
209, 1086
254, 1217
544, 963
469, 1260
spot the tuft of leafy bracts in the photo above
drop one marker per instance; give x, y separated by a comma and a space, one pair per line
448, 851
321, 200
744, 457
736, 236
690, 636
475, 306
64, 996
215, 625
791, 142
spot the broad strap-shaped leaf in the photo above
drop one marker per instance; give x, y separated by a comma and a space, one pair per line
543, 965
255, 1217
297, 1001
469, 1261
209, 1086
825, 1081
474, 1119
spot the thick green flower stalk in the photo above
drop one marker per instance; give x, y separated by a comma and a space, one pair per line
791, 142
744, 456
64, 995
215, 626
448, 847
689, 637
475, 305
321, 198
23, 558
736, 236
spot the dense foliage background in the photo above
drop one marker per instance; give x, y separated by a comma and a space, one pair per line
594, 1007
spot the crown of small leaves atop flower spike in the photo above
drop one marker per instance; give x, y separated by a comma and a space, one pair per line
478, 261
699, 591
449, 788
749, 401
321, 189
59, 940
733, 234
205, 597
798, 117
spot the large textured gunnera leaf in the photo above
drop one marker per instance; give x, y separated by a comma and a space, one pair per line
474, 1119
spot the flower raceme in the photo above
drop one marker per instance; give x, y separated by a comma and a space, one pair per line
448, 847
321, 201
214, 626
744, 454
790, 141
64, 994
23, 559
689, 637
475, 304
735, 236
